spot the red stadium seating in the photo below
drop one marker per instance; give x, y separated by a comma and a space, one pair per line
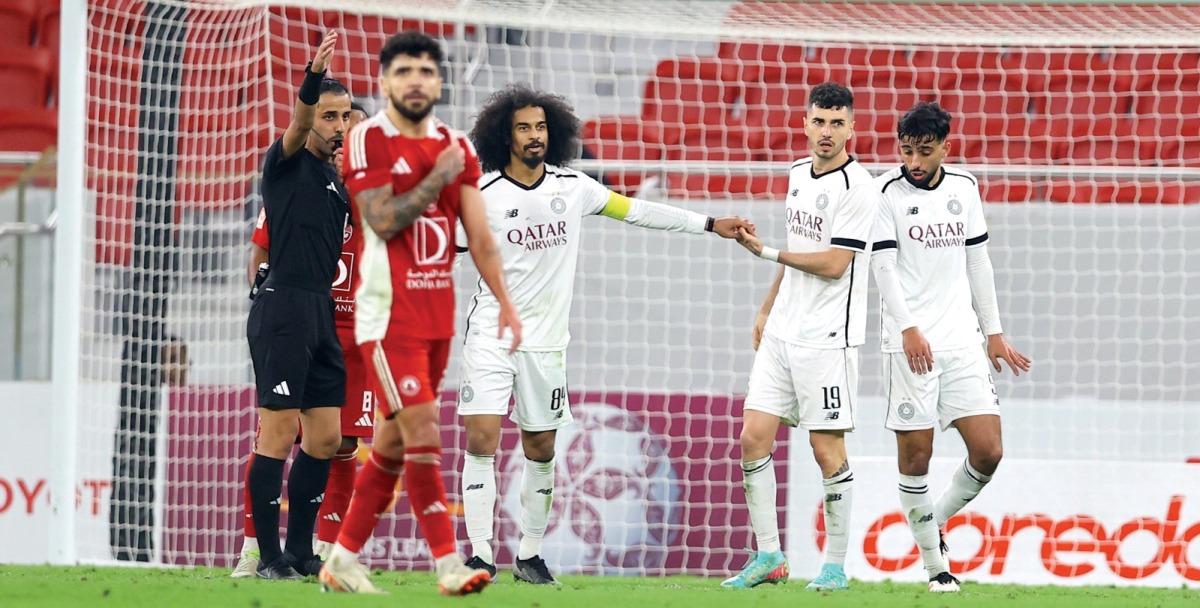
1102, 190
49, 28
28, 129
621, 138
19, 20
878, 67
114, 227
28, 75
728, 143
688, 91
1167, 70
755, 62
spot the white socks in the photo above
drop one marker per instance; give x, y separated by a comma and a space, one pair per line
479, 503
964, 486
537, 496
915, 503
758, 478
839, 495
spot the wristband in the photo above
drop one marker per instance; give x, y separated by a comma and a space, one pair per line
770, 254
708, 224
310, 89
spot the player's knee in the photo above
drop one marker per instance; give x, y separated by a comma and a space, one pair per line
988, 460
755, 445
482, 442
422, 431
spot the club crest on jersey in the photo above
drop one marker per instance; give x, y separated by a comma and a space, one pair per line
822, 200
954, 206
347, 232
558, 205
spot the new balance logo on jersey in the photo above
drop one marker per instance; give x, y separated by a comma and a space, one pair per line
545, 491
475, 486
364, 421
401, 167
282, 389
437, 507
510, 214
832, 497
927, 518
831, 416
913, 211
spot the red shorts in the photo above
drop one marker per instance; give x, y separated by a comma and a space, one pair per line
358, 414
405, 372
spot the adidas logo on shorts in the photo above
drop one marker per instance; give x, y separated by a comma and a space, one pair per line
282, 389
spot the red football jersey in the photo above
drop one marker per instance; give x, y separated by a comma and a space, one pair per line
407, 289
345, 282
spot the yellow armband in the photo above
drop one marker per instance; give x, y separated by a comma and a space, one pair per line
617, 206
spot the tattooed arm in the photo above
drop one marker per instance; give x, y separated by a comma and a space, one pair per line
387, 213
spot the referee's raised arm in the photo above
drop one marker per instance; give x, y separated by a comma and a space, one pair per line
310, 93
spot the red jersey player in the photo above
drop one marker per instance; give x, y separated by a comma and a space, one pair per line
411, 179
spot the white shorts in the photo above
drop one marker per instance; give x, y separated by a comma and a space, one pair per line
489, 377
813, 388
960, 385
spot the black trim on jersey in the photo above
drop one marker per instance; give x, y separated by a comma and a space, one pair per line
566, 175
881, 245
890, 182
498, 178
966, 177
842, 169
801, 162
848, 243
523, 186
474, 305
461, 250
977, 240
849, 299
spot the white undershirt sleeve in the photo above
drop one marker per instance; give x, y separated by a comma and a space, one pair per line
883, 263
983, 287
664, 217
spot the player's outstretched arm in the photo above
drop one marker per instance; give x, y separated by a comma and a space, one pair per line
828, 264
486, 256
387, 213
659, 216
305, 113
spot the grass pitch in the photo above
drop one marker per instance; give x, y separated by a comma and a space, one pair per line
105, 587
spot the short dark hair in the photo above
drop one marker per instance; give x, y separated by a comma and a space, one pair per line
831, 96
333, 85
355, 106
925, 122
412, 43
492, 134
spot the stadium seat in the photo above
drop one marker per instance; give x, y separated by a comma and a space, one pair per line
1009, 190
756, 62
730, 143
28, 129
1167, 70
1102, 190
357, 59
980, 105
1184, 105
18, 21
1003, 140
294, 34
1085, 71
28, 76
1103, 141
878, 67
1174, 141
215, 173
877, 113
990, 73
48, 29
621, 138
687, 91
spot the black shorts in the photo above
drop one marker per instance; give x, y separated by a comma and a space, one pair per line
298, 361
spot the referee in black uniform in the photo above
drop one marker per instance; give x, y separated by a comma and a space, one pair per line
298, 365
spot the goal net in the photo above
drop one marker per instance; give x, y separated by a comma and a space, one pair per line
1081, 122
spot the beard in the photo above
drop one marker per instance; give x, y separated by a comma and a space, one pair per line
924, 181
533, 161
410, 114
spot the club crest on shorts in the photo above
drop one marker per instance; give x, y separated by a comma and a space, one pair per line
558, 205
906, 411
409, 386
954, 206
466, 394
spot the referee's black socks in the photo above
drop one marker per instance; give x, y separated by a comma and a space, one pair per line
306, 491
266, 488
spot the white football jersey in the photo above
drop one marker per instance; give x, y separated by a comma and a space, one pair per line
931, 229
834, 209
537, 230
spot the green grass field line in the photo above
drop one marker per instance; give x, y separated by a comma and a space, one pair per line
103, 587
